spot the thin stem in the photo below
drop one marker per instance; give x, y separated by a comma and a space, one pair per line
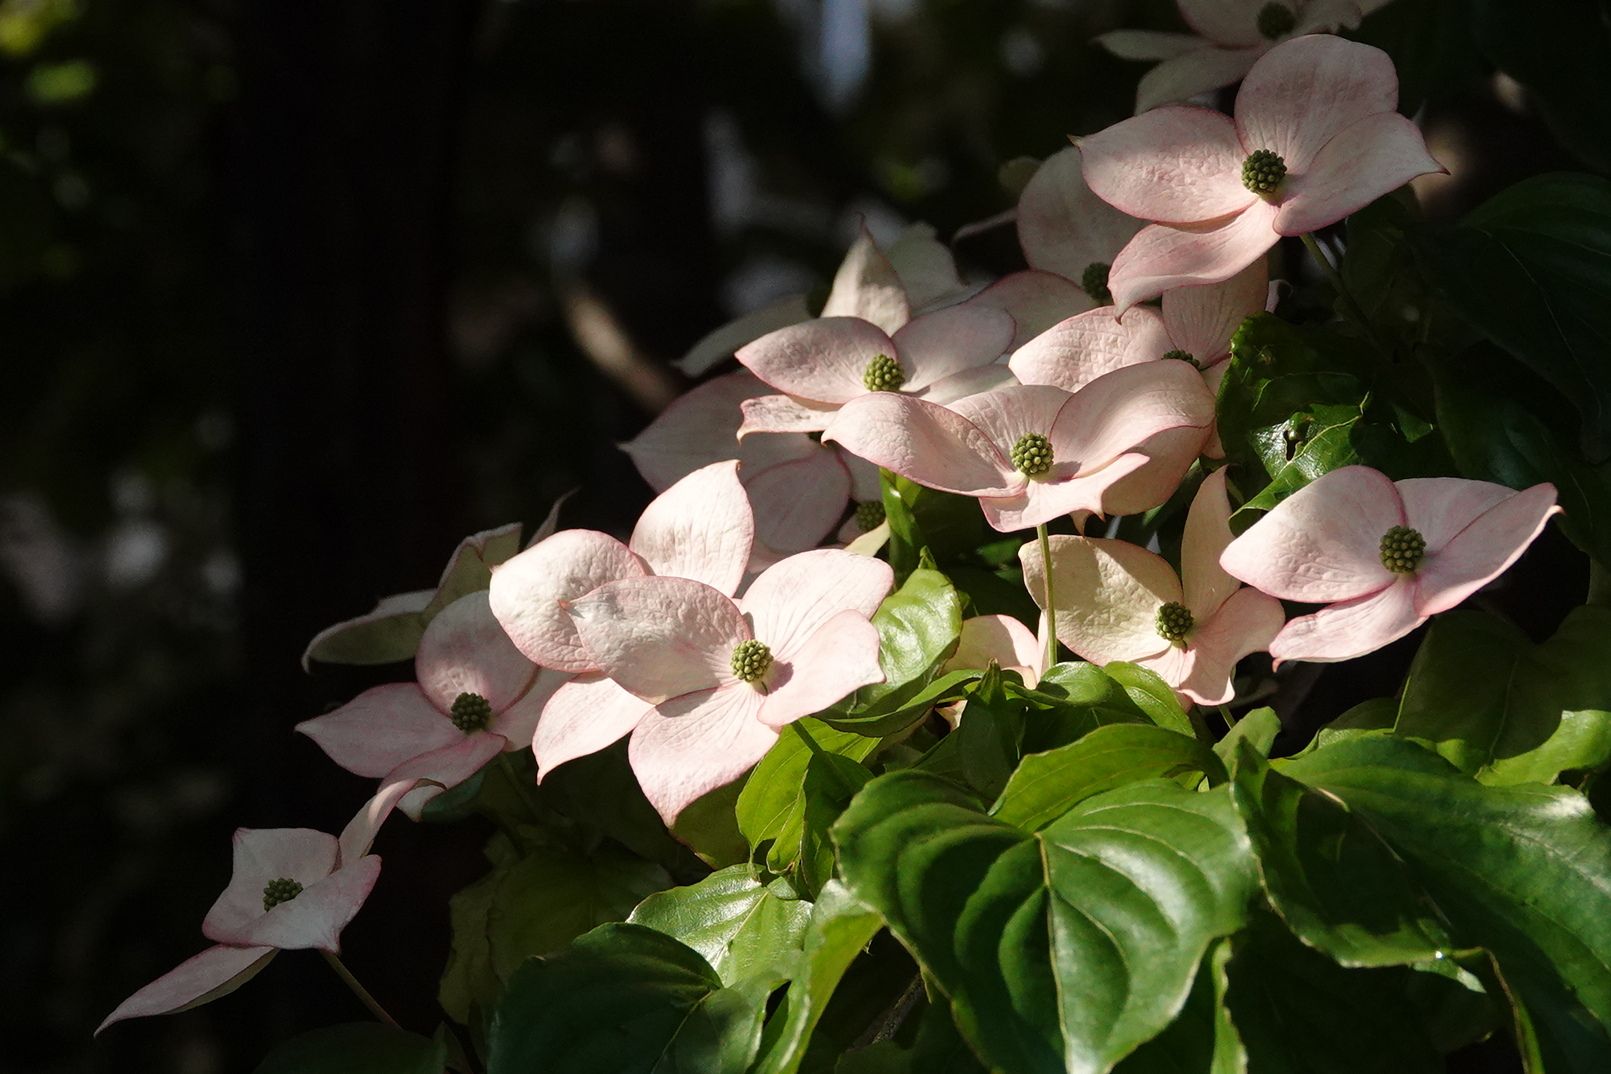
1355, 311
1225, 714
1199, 725
1051, 608
359, 990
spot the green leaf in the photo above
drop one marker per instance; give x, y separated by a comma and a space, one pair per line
990, 736
1524, 871
1529, 269
918, 627
772, 804
469, 982
1500, 708
1325, 444
1154, 697
1257, 728
736, 923
1335, 883
1501, 437
947, 526
838, 930
357, 1048
1297, 1010
628, 1000
1202, 1039
1134, 884
831, 783
1049, 784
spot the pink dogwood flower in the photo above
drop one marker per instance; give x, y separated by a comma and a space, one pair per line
1230, 37
1315, 137
1382, 555
1117, 601
1030, 453
701, 528
798, 487
703, 683
475, 696
292, 889
1066, 229
821, 365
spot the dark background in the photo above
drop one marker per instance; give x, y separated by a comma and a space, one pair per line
297, 294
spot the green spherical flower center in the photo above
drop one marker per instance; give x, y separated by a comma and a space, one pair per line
471, 712
1263, 172
751, 660
1276, 21
1402, 549
883, 374
1094, 280
869, 515
1174, 622
277, 891
1178, 355
1032, 455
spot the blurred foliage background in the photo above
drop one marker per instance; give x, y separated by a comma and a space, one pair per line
296, 295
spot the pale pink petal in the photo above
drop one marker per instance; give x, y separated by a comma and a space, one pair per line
489, 547
1440, 507
1072, 354
1037, 300
315, 918
958, 386
718, 346
1246, 623
922, 441
359, 834
821, 360
925, 266
1201, 320
517, 722
867, 286
700, 528
380, 729
1350, 628
402, 607
840, 657
262, 855
1160, 258
699, 427
1147, 44
1168, 454
693, 744
1181, 78
1107, 595
783, 414
1064, 228
1483, 550
527, 591
465, 651
1008, 414
661, 637
797, 503
792, 599
865, 482
949, 341
1120, 411
1173, 666
1305, 91
1041, 501
215, 972
584, 716
1322, 543
1212, 377
443, 769
1377, 155
1225, 22
1205, 538
1000, 638
1177, 164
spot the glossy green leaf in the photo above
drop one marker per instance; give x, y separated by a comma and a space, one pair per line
1154, 697
1524, 871
736, 923
918, 627
1257, 728
1339, 888
838, 930
357, 1048
629, 1000
1324, 443
1047, 785
1202, 1040
1066, 949
772, 805
990, 735
1505, 710
1529, 269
